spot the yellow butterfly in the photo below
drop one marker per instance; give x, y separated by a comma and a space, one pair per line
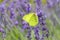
31, 19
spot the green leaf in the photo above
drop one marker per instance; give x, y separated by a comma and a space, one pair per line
32, 35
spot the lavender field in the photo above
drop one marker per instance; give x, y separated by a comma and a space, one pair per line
44, 24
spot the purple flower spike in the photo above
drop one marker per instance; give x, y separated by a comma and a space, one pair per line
12, 14
24, 25
51, 3
2, 10
38, 2
36, 30
47, 35
40, 13
29, 33
43, 23
28, 8
44, 29
2, 30
16, 22
24, 22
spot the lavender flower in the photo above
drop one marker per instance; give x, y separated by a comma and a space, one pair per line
39, 13
51, 3
42, 18
28, 8
2, 30
47, 35
16, 22
44, 28
37, 36
38, 2
2, 9
29, 33
25, 26
12, 14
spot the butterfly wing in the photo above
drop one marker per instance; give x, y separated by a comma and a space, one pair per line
33, 20
27, 17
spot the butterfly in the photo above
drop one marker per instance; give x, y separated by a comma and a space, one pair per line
31, 19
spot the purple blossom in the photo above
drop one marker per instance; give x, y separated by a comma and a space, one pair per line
44, 28
45, 32
12, 14
2, 9
51, 3
39, 14
47, 35
37, 36
25, 25
16, 22
42, 19
24, 22
43, 23
28, 8
38, 2
2, 30
29, 33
